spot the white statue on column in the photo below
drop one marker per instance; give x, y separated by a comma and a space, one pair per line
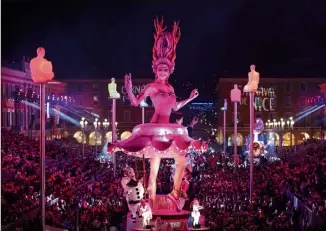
253, 77
235, 94
112, 87
133, 191
195, 212
146, 212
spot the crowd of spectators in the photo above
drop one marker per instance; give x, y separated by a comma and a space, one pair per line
83, 191
20, 172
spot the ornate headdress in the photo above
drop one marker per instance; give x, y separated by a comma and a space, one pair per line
165, 44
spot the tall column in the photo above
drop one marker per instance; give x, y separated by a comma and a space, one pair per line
42, 150
26, 118
114, 133
224, 132
235, 135
235, 98
251, 146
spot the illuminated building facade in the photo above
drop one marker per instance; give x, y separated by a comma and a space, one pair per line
20, 99
92, 96
73, 98
276, 99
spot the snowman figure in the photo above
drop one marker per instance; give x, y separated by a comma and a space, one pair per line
133, 191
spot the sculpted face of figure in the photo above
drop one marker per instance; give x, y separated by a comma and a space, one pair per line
162, 72
252, 67
112, 80
40, 52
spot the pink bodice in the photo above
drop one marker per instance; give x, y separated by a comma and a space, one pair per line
163, 103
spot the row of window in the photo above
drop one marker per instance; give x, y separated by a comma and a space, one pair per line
303, 87
8, 119
8, 88
303, 101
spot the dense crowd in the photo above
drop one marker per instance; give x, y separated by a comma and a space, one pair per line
83, 191
20, 172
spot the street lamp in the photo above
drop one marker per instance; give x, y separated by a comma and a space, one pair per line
83, 125
96, 124
291, 127
224, 109
106, 125
274, 123
290, 124
282, 123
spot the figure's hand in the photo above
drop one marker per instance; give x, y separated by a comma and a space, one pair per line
194, 93
128, 83
195, 120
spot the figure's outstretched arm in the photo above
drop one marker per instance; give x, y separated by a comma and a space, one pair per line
136, 100
194, 93
180, 104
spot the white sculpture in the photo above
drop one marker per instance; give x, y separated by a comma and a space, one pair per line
235, 94
112, 87
146, 212
195, 212
253, 77
133, 191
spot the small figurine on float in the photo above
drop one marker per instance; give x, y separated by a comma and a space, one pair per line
146, 212
133, 191
41, 68
112, 87
195, 214
253, 77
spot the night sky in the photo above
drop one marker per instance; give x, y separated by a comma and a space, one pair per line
97, 39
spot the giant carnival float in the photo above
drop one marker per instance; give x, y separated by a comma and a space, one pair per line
156, 140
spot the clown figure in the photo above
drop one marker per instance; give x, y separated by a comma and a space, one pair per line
146, 212
133, 191
195, 212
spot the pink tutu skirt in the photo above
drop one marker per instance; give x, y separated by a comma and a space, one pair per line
163, 140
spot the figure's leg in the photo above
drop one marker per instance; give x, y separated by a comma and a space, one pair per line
196, 219
155, 165
133, 210
181, 164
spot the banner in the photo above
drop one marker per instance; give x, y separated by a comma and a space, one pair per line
265, 99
